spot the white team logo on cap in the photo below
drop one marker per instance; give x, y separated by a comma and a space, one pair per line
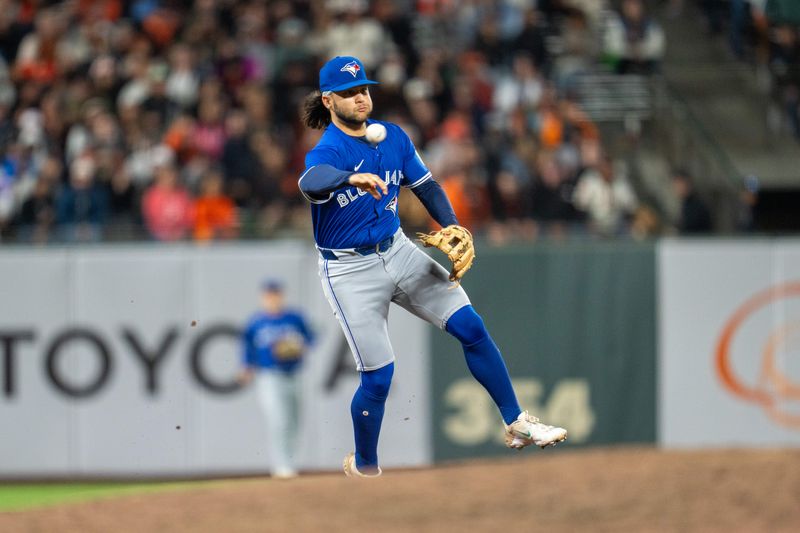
352, 67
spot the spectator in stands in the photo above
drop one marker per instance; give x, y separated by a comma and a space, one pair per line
490, 43
209, 131
82, 204
456, 156
522, 88
36, 56
241, 166
354, 32
531, 39
214, 213
748, 204
577, 56
549, 121
12, 30
785, 67
552, 208
604, 194
645, 223
633, 41
167, 206
398, 22
125, 212
271, 192
695, 216
135, 87
37, 216
158, 101
183, 83
474, 89
160, 92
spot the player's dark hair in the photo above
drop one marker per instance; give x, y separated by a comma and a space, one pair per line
315, 114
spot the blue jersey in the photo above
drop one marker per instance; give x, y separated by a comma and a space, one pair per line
349, 217
264, 331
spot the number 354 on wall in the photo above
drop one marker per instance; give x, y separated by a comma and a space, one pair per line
474, 417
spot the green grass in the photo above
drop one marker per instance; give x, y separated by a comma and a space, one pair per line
18, 497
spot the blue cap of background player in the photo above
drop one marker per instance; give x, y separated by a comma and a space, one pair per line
341, 73
272, 285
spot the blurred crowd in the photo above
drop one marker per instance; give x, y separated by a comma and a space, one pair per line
765, 33
170, 120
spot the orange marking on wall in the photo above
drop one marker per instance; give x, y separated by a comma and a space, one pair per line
722, 361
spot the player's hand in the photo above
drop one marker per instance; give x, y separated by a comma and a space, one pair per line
245, 377
370, 183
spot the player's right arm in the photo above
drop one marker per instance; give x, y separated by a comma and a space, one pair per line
318, 183
321, 178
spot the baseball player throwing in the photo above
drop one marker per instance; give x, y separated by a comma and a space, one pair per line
366, 262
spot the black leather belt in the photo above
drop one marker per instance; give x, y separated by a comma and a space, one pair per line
382, 246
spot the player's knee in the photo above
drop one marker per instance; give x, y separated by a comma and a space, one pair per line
376, 383
467, 326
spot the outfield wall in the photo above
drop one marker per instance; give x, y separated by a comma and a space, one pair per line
576, 325
103, 373
681, 343
685, 343
729, 322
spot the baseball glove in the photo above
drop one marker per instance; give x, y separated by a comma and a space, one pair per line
288, 348
456, 242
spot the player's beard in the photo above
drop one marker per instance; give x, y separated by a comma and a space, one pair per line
352, 119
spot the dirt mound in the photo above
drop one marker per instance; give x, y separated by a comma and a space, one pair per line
618, 489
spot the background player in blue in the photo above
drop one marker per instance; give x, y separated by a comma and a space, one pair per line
366, 262
273, 344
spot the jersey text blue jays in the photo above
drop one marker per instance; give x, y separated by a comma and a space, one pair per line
350, 217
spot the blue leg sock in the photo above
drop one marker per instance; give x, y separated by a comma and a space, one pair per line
367, 412
484, 360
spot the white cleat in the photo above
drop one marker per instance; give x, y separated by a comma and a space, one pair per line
350, 469
284, 473
527, 430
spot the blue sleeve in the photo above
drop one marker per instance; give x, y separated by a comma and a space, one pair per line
435, 200
318, 182
249, 357
322, 175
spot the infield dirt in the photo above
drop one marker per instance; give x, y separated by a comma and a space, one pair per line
620, 489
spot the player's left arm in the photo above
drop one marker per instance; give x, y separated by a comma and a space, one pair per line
436, 202
453, 239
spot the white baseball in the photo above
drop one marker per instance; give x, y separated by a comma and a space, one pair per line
376, 133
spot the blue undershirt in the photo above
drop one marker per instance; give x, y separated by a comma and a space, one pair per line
436, 202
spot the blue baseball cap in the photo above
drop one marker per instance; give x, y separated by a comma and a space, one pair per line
272, 285
341, 73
